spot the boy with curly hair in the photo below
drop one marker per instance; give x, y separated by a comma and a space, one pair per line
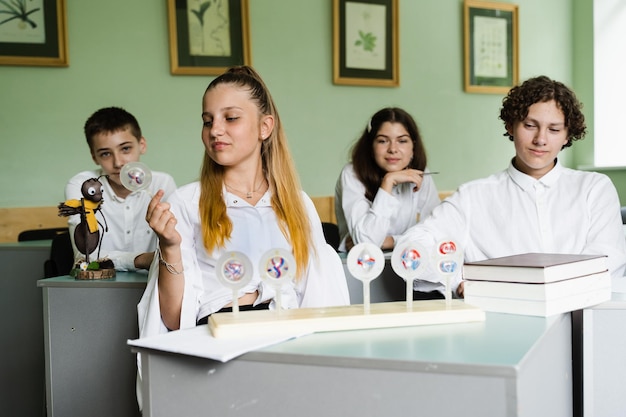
536, 204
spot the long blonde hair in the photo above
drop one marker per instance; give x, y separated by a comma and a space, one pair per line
278, 168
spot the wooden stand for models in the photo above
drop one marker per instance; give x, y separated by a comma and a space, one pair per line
350, 317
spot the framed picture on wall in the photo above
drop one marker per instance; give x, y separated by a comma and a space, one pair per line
365, 42
208, 36
490, 46
33, 33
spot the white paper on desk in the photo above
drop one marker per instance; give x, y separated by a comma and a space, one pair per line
198, 341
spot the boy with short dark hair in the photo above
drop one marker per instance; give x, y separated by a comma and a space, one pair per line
115, 139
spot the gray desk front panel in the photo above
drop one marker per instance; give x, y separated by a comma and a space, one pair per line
604, 355
195, 387
510, 366
21, 339
89, 370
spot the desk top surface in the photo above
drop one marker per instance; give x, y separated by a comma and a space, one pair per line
26, 245
617, 302
494, 347
503, 339
121, 280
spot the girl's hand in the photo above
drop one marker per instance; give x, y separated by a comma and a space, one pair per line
162, 221
394, 178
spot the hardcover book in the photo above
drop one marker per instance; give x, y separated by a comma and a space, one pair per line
538, 307
538, 292
535, 267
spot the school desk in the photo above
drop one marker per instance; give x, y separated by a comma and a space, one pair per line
21, 339
506, 366
80, 384
604, 357
89, 368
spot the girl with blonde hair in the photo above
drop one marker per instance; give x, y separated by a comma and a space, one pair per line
248, 200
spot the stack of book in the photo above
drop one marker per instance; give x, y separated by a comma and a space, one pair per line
537, 284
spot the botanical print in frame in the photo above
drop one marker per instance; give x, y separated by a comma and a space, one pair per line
208, 36
365, 43
490, 46
33, 33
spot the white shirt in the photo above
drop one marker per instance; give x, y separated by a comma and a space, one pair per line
388, 215
255, 231
565, 211
128, 233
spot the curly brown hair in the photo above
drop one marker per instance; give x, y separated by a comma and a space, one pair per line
539, 90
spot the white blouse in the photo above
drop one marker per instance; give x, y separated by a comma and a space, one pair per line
255, 231
388, 215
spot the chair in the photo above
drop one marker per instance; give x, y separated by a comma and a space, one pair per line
331, 233
61, 256
40, 234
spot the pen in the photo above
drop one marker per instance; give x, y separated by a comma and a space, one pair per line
430, 173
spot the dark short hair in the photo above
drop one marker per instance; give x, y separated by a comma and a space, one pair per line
110, 120
539, 90
363, 161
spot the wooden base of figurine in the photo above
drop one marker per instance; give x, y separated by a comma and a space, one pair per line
101, 269
96, 274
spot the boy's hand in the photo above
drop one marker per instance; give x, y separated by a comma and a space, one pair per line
143, 261
349, 243
460, 290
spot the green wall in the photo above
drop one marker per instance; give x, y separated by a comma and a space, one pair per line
119, 56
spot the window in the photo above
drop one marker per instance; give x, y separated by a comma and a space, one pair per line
609, 27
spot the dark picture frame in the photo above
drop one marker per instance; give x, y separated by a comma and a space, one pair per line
33, 33
366, 43
491, 61
208, 37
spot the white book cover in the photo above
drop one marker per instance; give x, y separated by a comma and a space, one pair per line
534, 267
198, 341
541, 308
537, 291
